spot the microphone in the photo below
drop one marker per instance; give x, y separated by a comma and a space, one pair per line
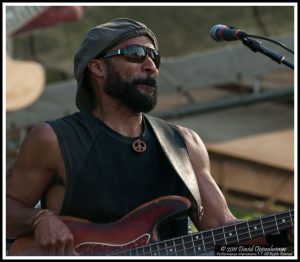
226, 33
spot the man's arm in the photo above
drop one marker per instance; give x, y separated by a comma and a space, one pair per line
216, 211
27, 180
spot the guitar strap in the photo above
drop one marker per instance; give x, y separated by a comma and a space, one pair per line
172, 142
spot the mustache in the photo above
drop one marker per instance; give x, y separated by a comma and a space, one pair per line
145, 81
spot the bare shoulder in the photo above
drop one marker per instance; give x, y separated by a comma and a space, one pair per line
190, 135
41, 133
195, 146
35, 166
40, 145
197, 153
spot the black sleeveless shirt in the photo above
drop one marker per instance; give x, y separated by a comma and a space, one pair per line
106, 178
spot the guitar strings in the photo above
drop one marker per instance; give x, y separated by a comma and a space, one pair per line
290, 219
208, 246
209, 237
211, 245
266, 230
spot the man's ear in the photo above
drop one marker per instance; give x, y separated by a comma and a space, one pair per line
97, 67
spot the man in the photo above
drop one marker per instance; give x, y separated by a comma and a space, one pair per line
108, 159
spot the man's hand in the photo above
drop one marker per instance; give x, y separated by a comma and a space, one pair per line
54, 236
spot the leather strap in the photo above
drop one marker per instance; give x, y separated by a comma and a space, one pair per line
172, 142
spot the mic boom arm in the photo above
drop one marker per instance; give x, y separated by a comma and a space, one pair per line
256, 46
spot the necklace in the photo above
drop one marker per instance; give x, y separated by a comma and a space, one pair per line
139, 145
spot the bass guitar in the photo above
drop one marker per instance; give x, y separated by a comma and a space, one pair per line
136, 234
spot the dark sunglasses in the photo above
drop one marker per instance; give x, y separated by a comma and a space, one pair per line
136, 54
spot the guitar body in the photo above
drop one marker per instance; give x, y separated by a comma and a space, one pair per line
138, 228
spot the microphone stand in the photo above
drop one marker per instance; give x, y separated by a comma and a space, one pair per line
256, 46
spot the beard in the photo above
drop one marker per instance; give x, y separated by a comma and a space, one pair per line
128, 93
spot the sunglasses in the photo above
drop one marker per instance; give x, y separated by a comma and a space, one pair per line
136, 54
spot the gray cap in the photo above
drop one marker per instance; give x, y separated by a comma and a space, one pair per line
100, 39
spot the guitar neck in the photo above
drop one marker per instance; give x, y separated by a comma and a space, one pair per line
17, 16
197, 243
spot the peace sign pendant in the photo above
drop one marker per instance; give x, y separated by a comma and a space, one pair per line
139, 146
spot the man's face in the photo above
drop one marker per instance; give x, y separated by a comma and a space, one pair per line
128, 92
133, 83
